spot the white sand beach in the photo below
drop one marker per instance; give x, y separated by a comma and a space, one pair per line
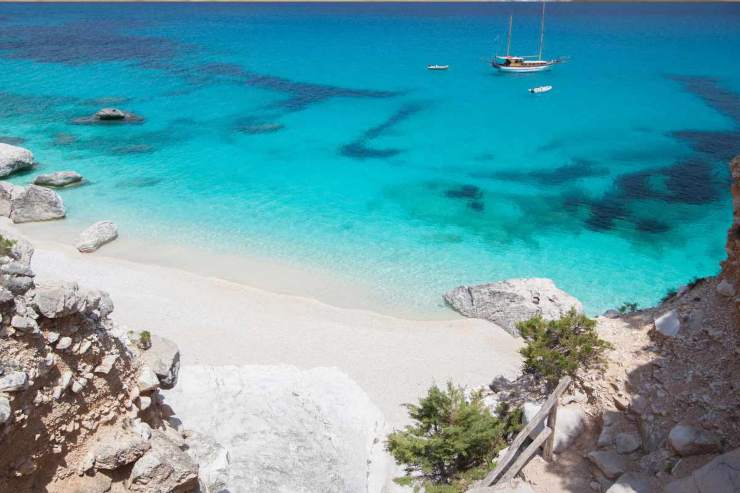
277, 348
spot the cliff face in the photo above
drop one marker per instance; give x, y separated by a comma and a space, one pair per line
731, 266
80, 408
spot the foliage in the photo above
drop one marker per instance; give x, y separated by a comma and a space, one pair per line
628, 307
6, 246
669, 295
560, 347
145, 339
452, 440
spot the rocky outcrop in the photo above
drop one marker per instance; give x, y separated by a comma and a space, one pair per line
97, 235
13, 158
58, 179
163, 358
506, 303
108, 116
70, 375
689, 440
31, 203
720, 475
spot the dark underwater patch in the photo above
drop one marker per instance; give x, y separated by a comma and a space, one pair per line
63, 138
476, 205
712, 93
575, 170
360, 149
40, 108
691, 182
464, 192
651, 226
604, 212
133, 149
80, 43
9, 139
142, 182
256, 126
718, 145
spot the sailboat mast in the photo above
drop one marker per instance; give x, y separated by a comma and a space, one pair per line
542, 32
508, 37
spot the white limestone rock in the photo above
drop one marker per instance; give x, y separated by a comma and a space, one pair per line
58, 179
97, 235
147, 380
14, 158
118, 448
631, 482
722, 474
506, 303
333, 431
725, 288
213, 462
164, 468
569, 423
163, 357
57, 299
5, 410
626, 443
668, 324
688, 440
35, 203
13, 381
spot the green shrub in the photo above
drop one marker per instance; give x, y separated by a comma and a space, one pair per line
145, 339
6, 246
628, 307
452, 441
670, 294
560, 347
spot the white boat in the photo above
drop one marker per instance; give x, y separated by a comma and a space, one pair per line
437, 67
534, 63
540, 89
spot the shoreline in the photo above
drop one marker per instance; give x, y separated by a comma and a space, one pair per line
219, 322
269, 274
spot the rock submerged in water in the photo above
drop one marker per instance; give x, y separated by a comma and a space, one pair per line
58, 179
109, 115
14, 158
506, 303
97, 235
31, 203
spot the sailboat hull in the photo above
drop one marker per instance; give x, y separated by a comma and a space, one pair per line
523, 68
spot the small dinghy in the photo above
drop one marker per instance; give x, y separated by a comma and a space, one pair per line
540, 89
437, 67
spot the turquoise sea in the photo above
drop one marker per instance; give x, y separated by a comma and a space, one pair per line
313, 134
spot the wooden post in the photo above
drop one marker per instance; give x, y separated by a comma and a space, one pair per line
521, 461
550, 443
492, 476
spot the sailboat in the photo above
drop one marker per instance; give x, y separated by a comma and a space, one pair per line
534, 63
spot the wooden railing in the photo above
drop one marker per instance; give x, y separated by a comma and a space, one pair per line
506, 469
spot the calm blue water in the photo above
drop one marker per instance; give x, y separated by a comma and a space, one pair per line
314, 134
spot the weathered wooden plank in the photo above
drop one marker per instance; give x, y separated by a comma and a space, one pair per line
521, 461
552, 418
490, 479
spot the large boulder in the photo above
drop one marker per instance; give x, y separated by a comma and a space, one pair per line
118, 448
213, 462
569, 423
97, 235
56, 299
720, 475
165, 468
109, 115
610, 463
35, 203
631, 482
163, 357
506, 303
58, 179
688, 440
13, 158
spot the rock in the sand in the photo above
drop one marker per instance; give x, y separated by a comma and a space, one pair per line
164, 468
163, 357
569, 423
118, 448
14, 158
610, 463
725, 288
630, 482
213, 462
720, 475
35, 203
668, 324
97, 235
688, 440
58, 179
506, 303
147, 380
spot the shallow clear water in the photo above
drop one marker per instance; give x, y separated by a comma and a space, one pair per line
315, 135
